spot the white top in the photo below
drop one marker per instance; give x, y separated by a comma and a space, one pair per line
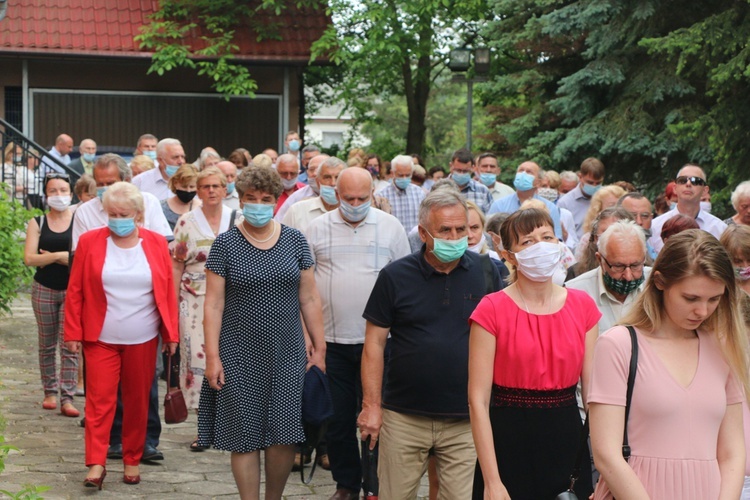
302, 213
91, 215
705, 220
232, 200
132, 316
298, 195
151, 181
500, 190
347, 262
48, 166
578, 204
566, 219
612, 309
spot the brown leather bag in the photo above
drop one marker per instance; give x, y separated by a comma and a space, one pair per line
175, 409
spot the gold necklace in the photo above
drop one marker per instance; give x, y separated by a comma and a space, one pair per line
244, 231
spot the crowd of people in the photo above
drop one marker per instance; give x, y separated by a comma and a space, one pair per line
468, 329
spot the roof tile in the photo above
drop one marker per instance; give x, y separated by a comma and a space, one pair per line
108, 27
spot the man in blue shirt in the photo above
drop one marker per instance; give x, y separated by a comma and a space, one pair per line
528, 178
461, 171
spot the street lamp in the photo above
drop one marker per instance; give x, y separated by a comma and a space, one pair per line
460, 62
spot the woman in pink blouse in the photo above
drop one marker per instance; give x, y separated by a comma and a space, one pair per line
530, 344
685, 422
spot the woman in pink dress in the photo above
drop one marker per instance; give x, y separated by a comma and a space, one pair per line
529, 345
685, 423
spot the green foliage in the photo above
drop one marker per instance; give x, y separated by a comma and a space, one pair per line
216, 22
13, 272
29, 491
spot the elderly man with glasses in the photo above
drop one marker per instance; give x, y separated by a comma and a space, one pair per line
690, 185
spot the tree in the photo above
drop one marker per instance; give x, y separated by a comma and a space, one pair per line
396, 48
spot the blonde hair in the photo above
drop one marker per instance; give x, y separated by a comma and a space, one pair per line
184, 176
124, 194
262, 160
736, 240
597, 204
473, 206
534, 203
142, 162
553, 178
211, 171
689, 254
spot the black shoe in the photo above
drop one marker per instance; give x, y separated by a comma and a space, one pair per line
150, 454
115, 451
82, 423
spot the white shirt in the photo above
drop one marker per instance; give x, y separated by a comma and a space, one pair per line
298, 195
500, 190
151, 181
578, 204
566, 219
232, 200
612, 309
91, 215
347, 262
132, 316
49, 166
705, 220
301, 214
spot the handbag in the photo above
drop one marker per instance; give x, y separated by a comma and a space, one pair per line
175, 409
317, 408
569, 494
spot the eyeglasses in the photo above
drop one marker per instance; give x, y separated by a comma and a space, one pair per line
695, 181
620, 268
56, 175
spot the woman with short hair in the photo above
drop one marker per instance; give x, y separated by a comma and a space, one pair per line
182, 184
120, 299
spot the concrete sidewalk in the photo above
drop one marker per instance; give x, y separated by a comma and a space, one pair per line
52, 451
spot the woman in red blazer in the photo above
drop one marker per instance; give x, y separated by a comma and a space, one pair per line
120, 299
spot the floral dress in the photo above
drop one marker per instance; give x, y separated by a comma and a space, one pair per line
193, 238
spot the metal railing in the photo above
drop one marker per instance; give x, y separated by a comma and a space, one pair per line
25, 163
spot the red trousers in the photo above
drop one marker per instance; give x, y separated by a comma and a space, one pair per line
107, 365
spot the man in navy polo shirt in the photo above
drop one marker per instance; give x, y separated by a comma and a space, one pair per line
424, 301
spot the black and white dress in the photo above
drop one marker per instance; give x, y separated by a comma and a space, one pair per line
261, 345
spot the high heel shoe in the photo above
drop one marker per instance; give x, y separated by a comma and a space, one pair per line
131, 479
95, 482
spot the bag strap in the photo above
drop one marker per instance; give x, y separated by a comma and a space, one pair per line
583, 449
169, 370
631, 381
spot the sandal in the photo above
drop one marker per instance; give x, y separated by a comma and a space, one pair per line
194, 446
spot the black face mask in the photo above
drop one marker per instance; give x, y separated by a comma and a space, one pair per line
185, 196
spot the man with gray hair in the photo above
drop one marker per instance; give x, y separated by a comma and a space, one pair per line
568, 182
423, 301
312, 188
620, 276
287, 166
308, 153
169, 157
350, 245
301, 214
403, 196
85, 163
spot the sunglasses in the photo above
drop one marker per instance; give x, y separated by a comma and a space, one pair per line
56, 175
695, 181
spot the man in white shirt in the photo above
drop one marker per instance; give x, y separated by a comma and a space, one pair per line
591, 177
690, 185
302, 213
61, 152
169, 157
486, 170
312, 188
109, 169
229, 169
350, 246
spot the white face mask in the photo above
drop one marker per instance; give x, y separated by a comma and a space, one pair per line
706, 206
289, 183
59, 203
476, 248
540, 261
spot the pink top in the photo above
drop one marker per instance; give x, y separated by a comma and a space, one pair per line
673, 430
537, 351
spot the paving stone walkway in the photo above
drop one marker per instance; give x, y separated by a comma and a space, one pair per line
51, 451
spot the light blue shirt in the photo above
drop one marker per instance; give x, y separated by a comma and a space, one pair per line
511, 204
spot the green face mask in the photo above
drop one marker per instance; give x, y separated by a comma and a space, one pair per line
449, 250
623, 287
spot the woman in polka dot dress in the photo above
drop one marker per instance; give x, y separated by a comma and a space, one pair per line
259, 278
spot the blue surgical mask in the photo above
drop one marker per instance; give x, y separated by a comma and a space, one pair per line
230, 187
524, 181
172, 169
122, 227
672, 205
449, 250
257, 214
151, 154
100, 192
313, 183
89, 157
590, 190
461, 179
294, 145
354, 214
402, 182
488, 179
329, 195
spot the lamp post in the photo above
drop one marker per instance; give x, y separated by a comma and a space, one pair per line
459, 63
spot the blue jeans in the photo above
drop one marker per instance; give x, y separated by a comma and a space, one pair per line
342, 367
153, 428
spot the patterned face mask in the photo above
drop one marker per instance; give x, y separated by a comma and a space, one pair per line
622, 287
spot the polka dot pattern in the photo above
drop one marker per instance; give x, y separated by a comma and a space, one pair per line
261, 345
